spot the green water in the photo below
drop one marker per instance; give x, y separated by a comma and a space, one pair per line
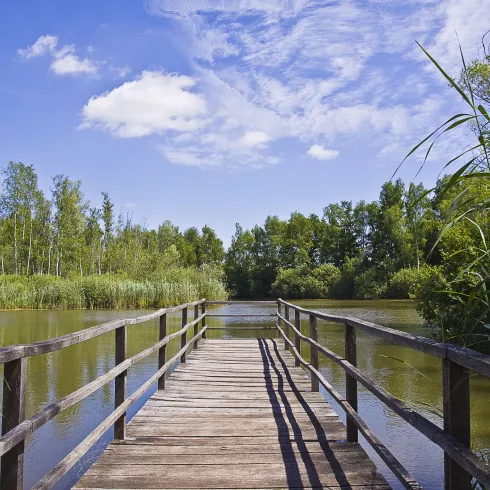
412, 376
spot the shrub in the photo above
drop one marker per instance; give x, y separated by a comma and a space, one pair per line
368, 285
296, 283
305, 282
402, 284
448, 308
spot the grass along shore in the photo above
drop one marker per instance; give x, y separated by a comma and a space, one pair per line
107, 292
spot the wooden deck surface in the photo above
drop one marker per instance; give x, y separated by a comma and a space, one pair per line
237, 415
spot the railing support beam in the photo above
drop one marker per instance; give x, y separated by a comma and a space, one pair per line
314, 352
297, 338
120, 382
13, 413
183, 338
456, 407
162, 352
203, 321
350, 382
196, 326
286, 329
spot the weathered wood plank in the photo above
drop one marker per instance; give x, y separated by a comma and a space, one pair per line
232, 476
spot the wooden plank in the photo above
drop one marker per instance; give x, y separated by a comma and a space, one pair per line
189, 394
137, 447
230, 476
146, 457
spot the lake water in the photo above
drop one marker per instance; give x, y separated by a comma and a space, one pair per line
410, 375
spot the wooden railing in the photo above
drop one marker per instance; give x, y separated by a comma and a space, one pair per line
460, 463
15, 428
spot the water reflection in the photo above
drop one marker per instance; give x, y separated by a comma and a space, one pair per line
412, 376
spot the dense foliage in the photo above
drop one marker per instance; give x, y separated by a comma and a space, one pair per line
71, 243
364, 250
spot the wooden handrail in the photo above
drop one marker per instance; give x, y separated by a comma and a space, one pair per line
27, 427
15, 429
461, 464
13, 352
480, 363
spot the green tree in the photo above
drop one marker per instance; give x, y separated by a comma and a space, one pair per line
69, 222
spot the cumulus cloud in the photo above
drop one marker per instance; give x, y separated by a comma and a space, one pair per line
321, 153
65, 60
154, 102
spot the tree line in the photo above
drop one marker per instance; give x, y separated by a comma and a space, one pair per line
64, 235
358, 246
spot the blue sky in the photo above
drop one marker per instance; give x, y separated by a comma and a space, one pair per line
223, 111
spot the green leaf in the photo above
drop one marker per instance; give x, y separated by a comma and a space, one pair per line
446, 76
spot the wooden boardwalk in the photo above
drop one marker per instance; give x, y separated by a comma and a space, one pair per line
237, 415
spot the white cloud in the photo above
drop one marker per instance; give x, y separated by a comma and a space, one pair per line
44, 45
71, 64
321, 153
255, 139
468, 21
65, 60
154, 102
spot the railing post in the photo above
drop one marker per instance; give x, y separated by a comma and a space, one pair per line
314, 352
456, 408
196, 326
286, 326
203, 321
183, 337
121, 382
350, 382
162, 352
13, 413
297, 339
279, 311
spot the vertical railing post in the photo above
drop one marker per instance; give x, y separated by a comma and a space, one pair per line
162, 352
196, 326
350, 382
279, 312
286, 326
121, 382
183, 338
314, 352
203, 322
297, 339
456, 408
13, 413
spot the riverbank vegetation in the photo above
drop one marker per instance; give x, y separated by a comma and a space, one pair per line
63, 252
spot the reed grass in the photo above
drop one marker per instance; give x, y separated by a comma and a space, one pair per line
108, 292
